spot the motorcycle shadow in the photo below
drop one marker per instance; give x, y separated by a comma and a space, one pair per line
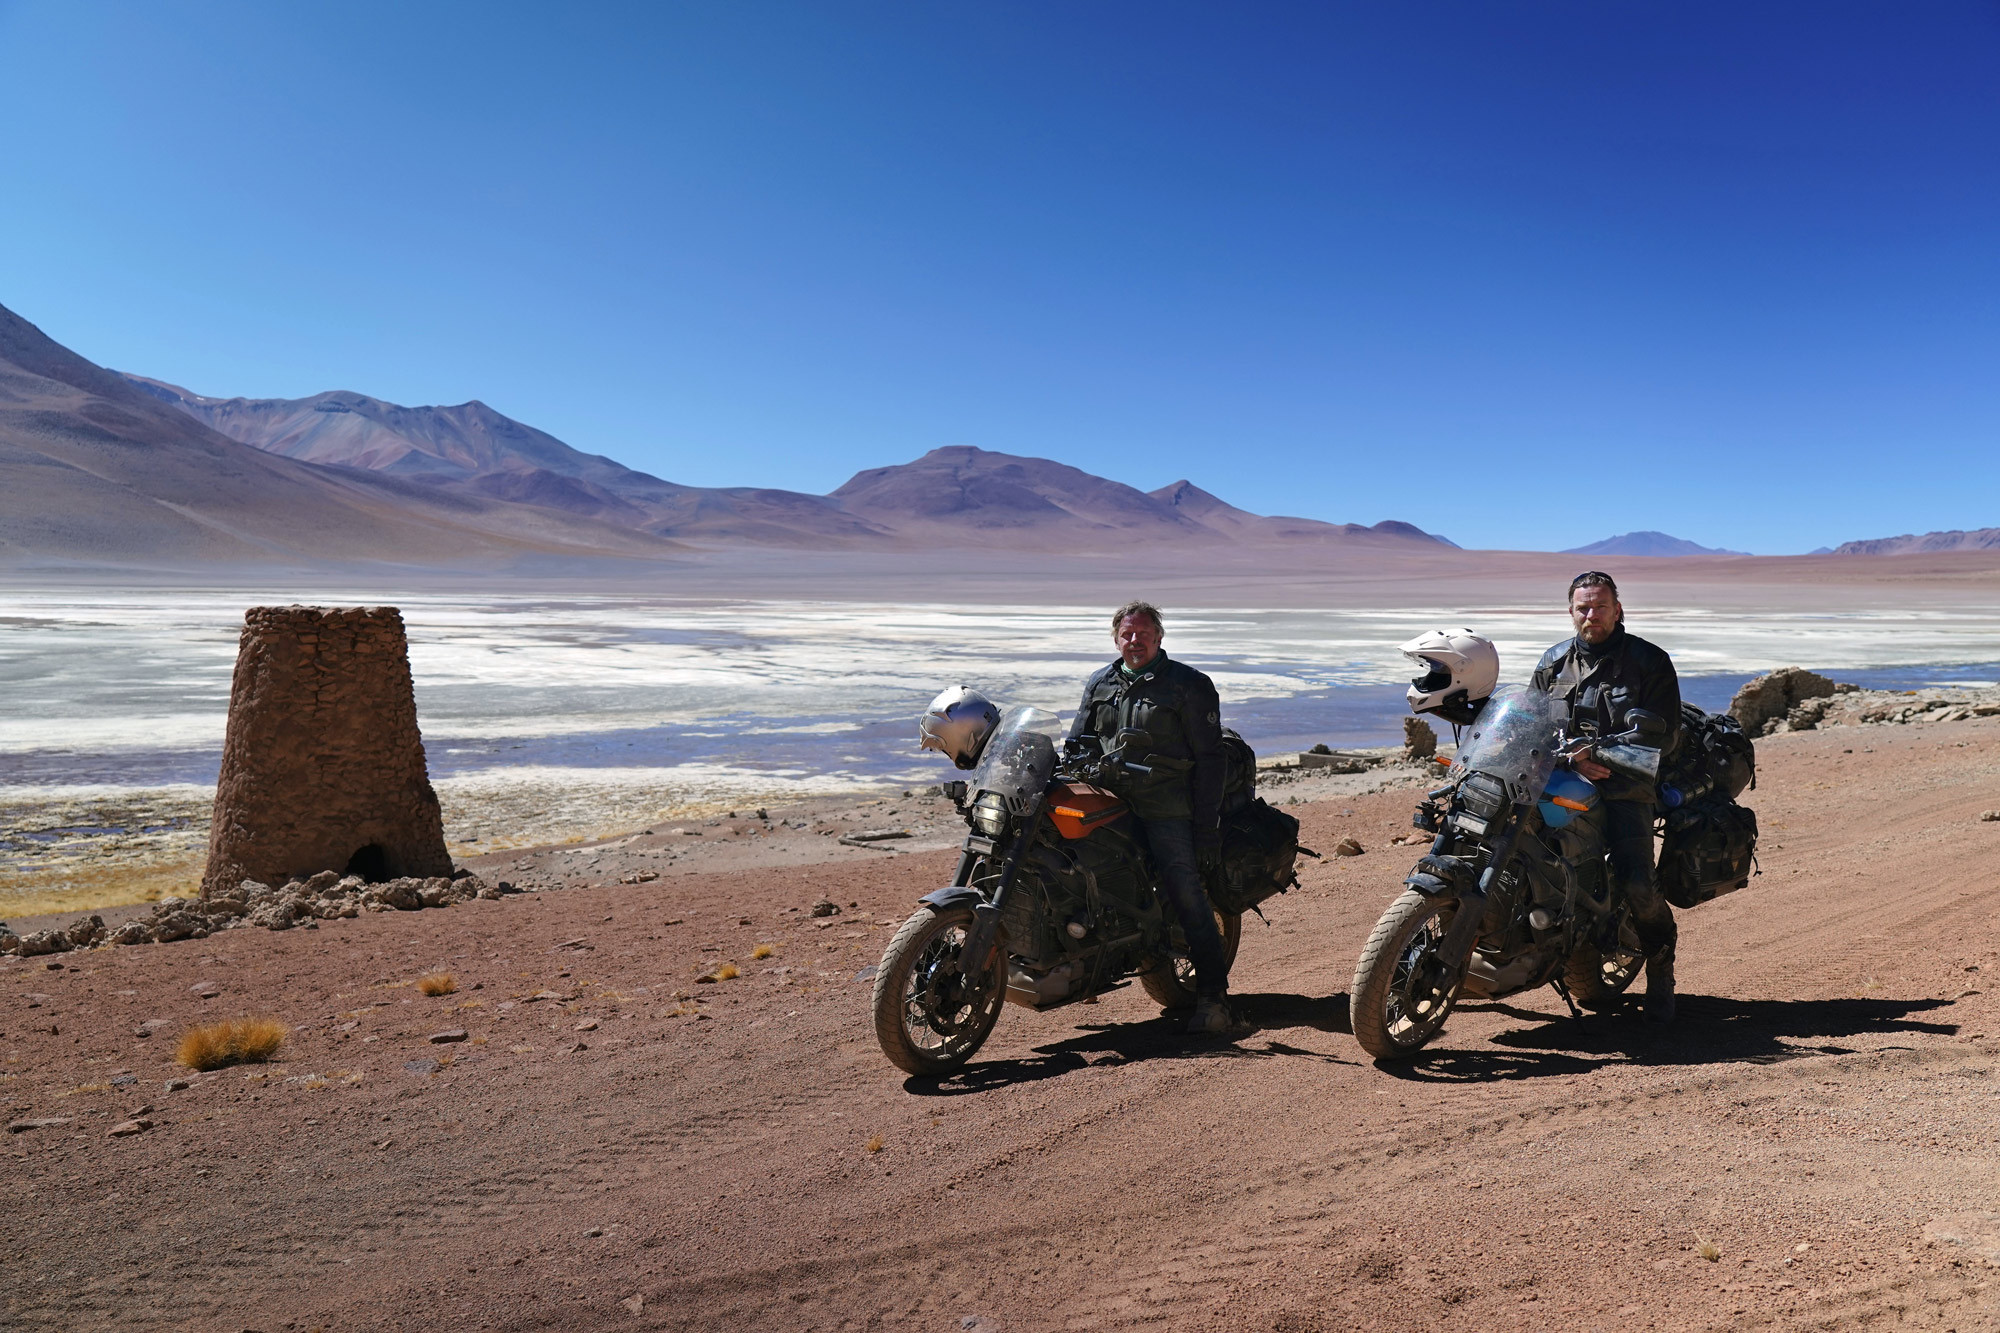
1709, 1030
1162, 1038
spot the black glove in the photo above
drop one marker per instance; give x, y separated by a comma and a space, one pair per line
1208, 860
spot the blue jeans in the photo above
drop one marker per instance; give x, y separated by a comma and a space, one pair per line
1171, 842
1628, 836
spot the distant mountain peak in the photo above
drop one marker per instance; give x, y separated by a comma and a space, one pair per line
1647, 543
1955, 539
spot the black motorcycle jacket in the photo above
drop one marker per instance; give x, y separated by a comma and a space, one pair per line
1176, 706
1604, 683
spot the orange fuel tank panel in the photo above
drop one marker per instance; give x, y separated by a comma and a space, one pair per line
1078, 809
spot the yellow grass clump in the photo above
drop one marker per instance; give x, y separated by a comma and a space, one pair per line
764, 951
874, 1144
233, 1041
436, 983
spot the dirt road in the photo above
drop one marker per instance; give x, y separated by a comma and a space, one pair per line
616, 1144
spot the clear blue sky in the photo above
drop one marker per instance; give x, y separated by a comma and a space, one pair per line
1527, 274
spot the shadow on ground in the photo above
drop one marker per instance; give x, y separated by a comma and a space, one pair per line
1710, 1030
1162, 1038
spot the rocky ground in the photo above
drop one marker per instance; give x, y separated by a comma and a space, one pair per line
586, 1134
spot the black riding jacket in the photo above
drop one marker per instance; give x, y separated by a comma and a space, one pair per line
1603, 683
1177, 707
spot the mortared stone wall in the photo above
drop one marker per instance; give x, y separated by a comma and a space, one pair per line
322, 765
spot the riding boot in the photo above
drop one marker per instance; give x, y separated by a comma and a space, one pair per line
1211, 1016
1660, 986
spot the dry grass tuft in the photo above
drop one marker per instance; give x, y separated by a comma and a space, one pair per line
1706, 1248
233, 1041
874, 1144
764, 951
436, 983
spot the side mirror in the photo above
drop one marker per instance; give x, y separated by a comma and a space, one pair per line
1646, 728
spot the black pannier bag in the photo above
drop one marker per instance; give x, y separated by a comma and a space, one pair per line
1710, 849
1260, 843
1713, 757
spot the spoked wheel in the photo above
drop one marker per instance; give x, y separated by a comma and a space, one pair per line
1597, 980
1402, 990
929, 1016
1171, 981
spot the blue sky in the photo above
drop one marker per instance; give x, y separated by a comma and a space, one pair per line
1526, 274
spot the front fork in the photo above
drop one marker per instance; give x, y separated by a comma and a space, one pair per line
985, 931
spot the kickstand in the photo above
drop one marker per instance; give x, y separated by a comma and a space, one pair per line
1563, 991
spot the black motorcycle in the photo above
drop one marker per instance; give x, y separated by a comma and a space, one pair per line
1053, 901
1515, 892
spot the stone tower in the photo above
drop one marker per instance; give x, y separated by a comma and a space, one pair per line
322, 765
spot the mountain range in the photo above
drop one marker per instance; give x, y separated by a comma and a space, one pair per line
109, 469
954, 496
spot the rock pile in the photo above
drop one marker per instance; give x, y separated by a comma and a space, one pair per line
1419, 741
1775, 694
323, 897
1795, 700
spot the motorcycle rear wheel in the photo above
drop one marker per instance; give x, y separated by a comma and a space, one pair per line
1171, 981
1401, 996
929, 1017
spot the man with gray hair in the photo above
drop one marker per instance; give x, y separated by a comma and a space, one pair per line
1179, 803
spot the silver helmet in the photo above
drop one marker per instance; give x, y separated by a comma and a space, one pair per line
957, 724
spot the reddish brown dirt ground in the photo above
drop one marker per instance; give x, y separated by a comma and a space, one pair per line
1823, 1114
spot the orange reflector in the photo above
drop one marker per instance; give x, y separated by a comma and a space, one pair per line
1438, 758
1567, 804
1072, 813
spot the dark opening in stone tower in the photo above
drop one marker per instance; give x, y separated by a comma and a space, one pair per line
323, 766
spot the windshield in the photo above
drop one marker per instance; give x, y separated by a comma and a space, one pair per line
1514, 739
1019, 757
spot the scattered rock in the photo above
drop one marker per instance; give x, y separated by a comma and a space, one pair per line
1420, 742
826, 907
127, 1128
46, 1122
1990, 817
204, 990
178, 1085
633, 1303
447, 1036
587, 1025
1348, 847
643, 877
425, 1065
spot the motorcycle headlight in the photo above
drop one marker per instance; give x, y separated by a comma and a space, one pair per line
989, 815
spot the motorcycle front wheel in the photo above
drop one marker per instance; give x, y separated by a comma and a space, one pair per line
1402, 991
929, 1016
1171, 981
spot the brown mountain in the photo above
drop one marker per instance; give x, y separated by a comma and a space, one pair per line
1980, 539
952, 497
474, 450
962, 495
98, 472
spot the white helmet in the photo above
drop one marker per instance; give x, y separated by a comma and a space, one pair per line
957, 724
1460, 671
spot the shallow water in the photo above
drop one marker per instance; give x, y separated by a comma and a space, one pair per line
545, 718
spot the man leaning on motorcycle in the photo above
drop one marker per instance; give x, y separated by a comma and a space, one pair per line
1179, 802
1604, 673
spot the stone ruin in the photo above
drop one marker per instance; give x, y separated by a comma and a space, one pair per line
322, 765
1419, 741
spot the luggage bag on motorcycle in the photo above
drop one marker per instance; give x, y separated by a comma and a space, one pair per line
1710, 849
1713, 756
1260, 843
